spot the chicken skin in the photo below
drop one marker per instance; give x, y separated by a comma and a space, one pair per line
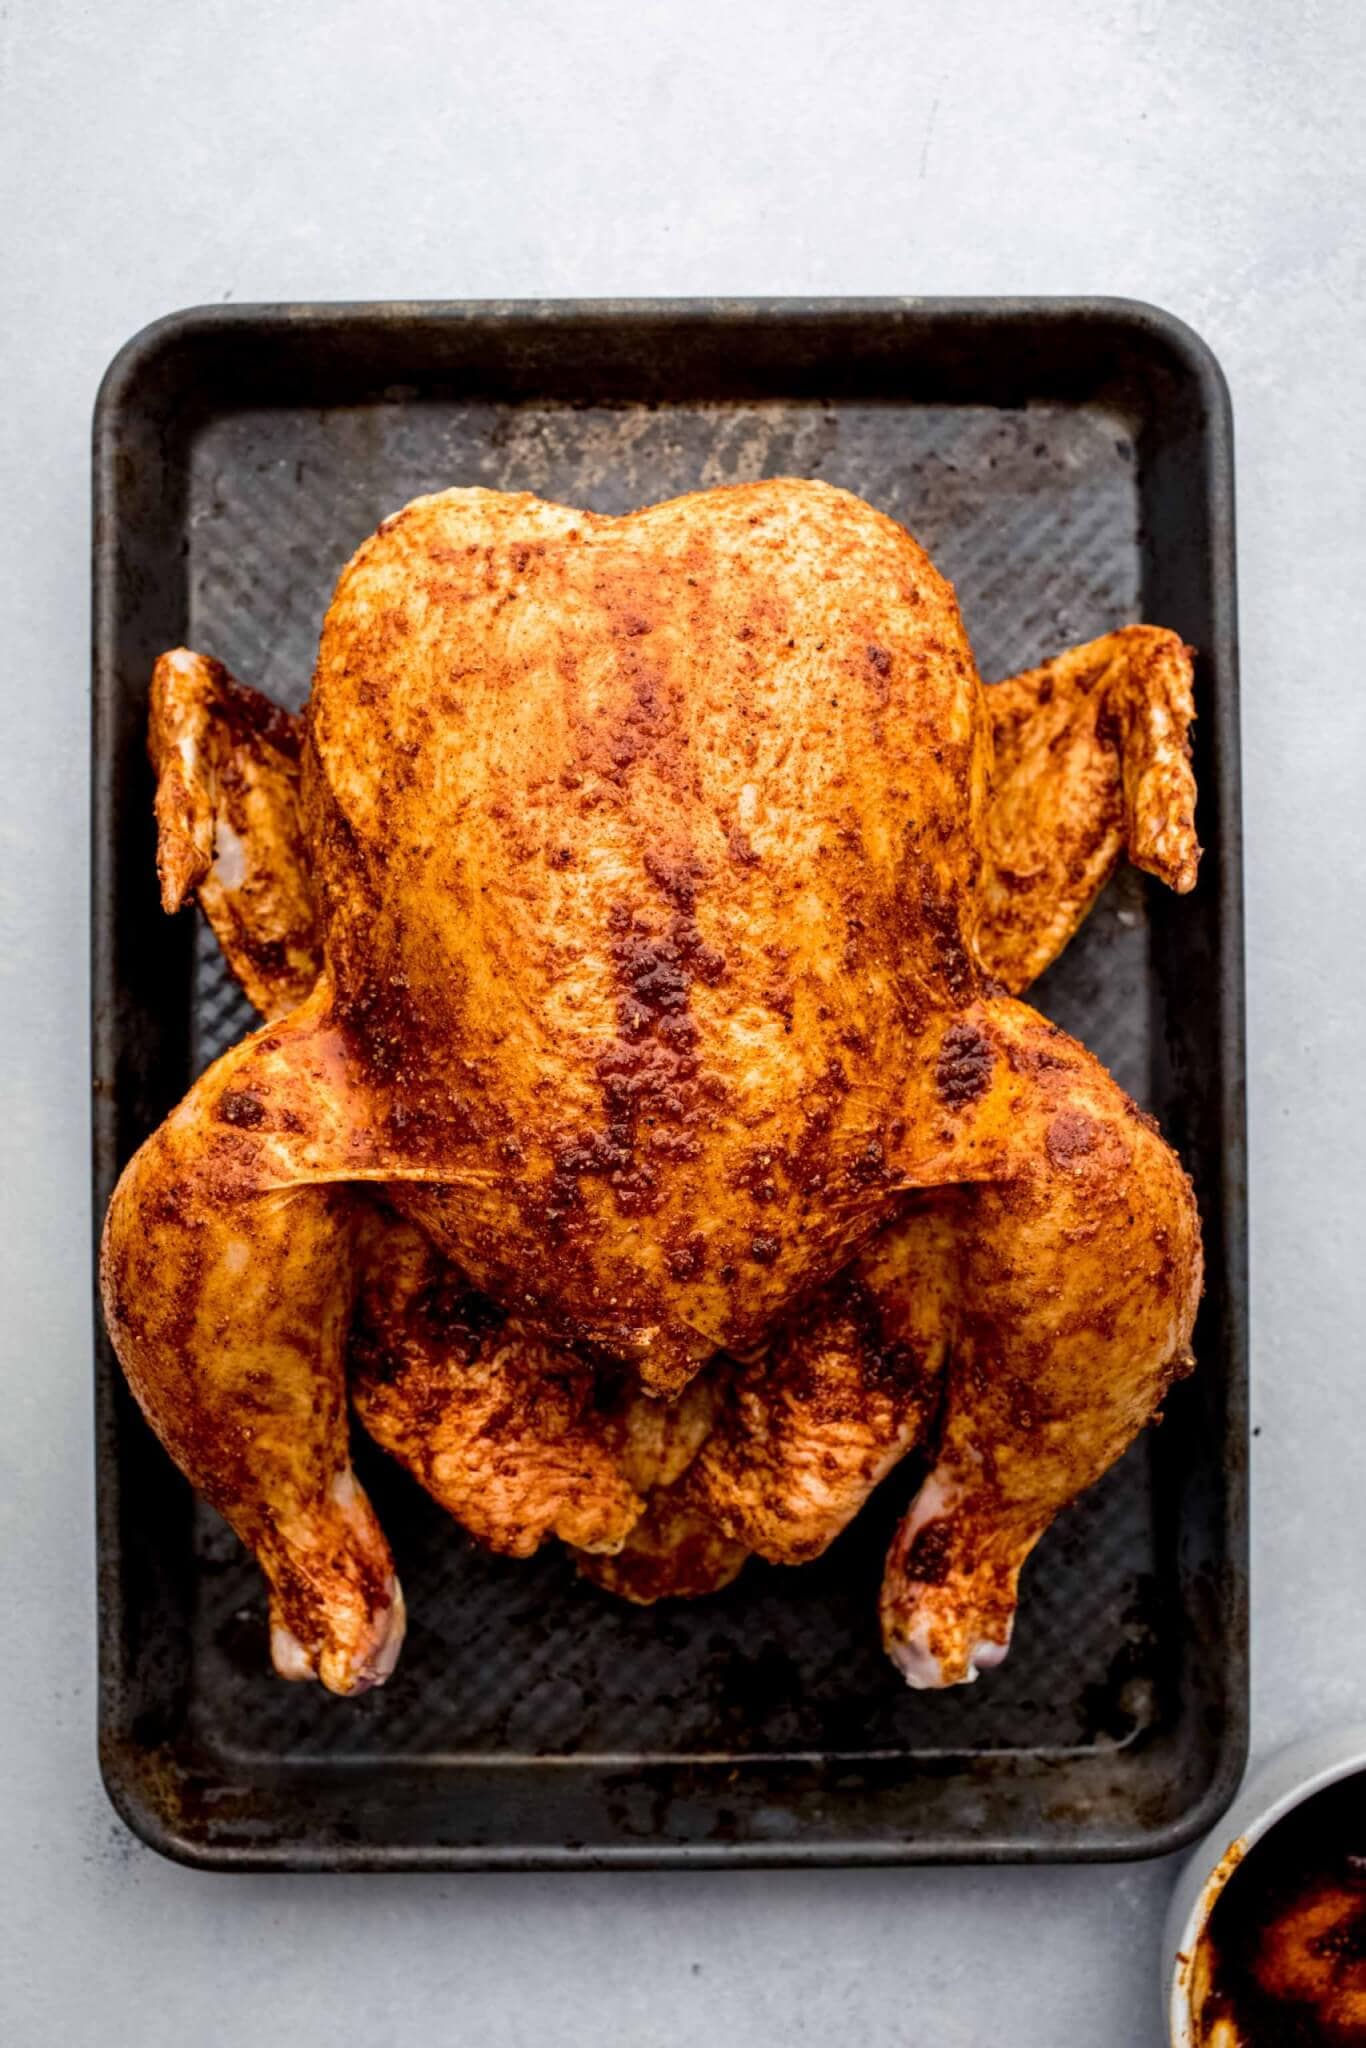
665, 879
516, 1436
849, 1384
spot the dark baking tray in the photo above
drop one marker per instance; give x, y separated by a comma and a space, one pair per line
1069, 464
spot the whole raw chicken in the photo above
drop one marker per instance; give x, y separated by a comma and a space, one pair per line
645, 1124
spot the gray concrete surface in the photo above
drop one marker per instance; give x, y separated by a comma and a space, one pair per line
1205, 154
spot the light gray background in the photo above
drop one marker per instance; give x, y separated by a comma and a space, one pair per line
1206, 154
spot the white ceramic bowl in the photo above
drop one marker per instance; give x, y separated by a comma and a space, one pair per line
1275, 1789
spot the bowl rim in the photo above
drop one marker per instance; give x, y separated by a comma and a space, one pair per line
1283, 1782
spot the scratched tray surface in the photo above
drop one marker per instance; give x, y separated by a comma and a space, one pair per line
1034, 514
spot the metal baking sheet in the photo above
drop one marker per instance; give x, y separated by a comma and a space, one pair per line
1069, 465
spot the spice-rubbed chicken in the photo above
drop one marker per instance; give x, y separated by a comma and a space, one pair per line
659, 886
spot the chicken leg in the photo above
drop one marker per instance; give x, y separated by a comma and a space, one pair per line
227, 1271
1076, 1276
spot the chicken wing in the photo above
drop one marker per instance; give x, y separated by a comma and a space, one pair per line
229, 831
1091, 760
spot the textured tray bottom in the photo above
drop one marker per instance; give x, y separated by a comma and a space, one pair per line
1033, 513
